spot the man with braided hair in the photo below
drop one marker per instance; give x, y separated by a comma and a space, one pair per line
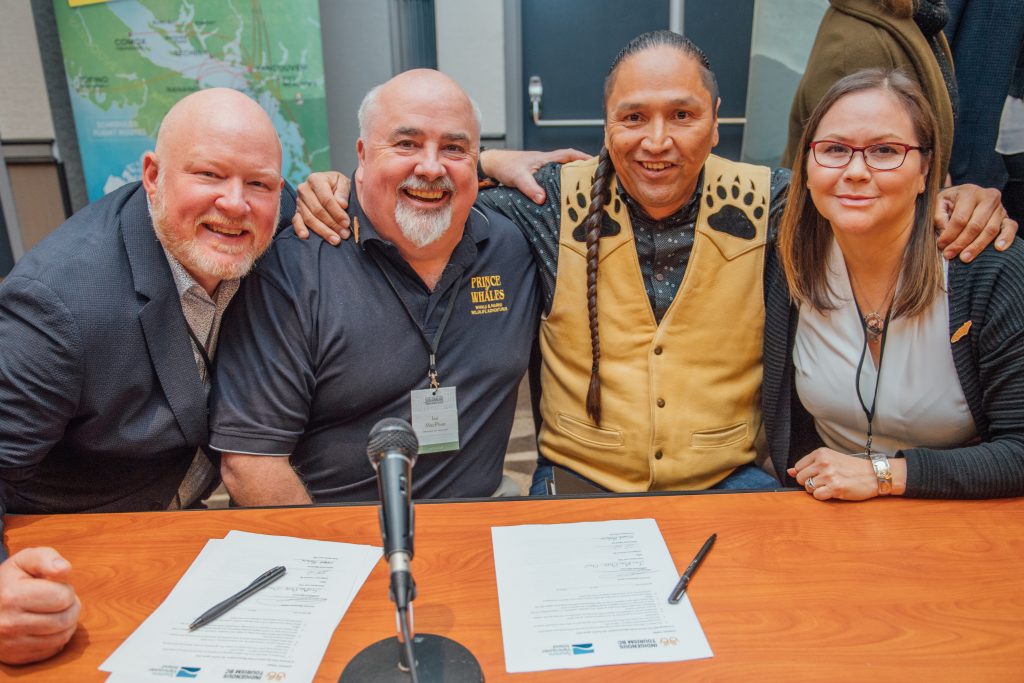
680, 382
670, 241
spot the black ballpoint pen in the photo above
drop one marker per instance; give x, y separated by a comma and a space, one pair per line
677, 593
220, 608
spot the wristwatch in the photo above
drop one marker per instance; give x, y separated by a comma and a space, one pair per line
884, 473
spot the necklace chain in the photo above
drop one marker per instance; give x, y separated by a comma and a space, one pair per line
874, 321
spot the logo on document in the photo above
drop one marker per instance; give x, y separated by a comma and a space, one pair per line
583, 648
188, 672
637, 644
669, 642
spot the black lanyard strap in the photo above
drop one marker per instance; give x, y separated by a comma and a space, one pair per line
870, 413
431, 344
201, 348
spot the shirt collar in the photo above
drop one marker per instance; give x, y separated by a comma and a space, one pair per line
685, 214
186, 284
183, 280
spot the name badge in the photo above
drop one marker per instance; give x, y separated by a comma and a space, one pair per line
435, 419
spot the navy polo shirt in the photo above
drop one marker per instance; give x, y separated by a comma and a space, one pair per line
317, 347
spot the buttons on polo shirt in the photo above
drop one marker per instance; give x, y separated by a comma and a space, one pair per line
661, 403
659, 277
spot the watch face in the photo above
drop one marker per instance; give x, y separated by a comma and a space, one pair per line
883, 472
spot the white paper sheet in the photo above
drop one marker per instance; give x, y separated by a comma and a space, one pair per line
590, 594
280, 633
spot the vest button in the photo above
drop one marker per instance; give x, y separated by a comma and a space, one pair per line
661, 403
658, 455
657, 350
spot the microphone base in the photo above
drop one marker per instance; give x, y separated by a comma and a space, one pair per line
438, 659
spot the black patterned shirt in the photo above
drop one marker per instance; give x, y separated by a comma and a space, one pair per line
663, 246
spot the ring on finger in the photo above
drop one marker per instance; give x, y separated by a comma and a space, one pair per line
810, 483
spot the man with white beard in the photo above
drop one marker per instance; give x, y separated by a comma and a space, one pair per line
108, 327
429, 313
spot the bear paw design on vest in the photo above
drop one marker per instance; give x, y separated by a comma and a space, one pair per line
576, 203
737, 208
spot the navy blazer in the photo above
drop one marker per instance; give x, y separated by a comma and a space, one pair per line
101, 405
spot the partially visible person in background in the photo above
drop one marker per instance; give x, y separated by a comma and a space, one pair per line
907, 370
1010, 143
985, 37
886, 34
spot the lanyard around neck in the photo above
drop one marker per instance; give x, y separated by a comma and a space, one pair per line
430, 344
201, 348
869, 413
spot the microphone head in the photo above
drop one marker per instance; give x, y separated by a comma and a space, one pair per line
392, 434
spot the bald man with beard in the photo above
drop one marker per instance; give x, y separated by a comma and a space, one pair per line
108, 327
429, 312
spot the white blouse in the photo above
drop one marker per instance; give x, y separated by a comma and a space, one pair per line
920, 402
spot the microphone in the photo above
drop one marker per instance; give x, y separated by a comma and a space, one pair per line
392, 449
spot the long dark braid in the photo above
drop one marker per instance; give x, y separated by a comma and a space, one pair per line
600, 195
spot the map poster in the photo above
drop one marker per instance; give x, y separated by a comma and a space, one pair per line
129, 61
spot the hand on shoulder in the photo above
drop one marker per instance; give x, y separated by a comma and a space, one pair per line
969, 218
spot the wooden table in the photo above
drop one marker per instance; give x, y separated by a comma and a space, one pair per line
795, 589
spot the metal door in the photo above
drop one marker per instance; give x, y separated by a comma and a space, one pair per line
570, 44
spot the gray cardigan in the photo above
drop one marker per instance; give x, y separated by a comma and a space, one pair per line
989, 360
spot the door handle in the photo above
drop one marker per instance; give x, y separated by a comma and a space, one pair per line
535, 90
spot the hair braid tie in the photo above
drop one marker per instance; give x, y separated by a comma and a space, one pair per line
600, 194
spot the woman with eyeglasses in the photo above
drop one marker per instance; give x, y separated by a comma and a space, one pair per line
888, 371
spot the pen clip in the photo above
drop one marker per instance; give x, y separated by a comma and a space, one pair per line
280, 569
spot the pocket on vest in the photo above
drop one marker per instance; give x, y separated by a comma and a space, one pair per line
588, 433
722, 436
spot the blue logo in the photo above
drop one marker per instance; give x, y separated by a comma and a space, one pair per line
583, 648
188, 672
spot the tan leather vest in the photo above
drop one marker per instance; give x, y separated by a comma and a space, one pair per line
680, 399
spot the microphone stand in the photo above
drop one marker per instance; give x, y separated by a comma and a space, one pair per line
422, 657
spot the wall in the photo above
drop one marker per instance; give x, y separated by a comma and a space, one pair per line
35, 203
471, 49
24, 108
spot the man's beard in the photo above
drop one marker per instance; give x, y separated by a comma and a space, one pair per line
424, 226
197, 258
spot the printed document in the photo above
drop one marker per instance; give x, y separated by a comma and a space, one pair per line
279, 633
590, 594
